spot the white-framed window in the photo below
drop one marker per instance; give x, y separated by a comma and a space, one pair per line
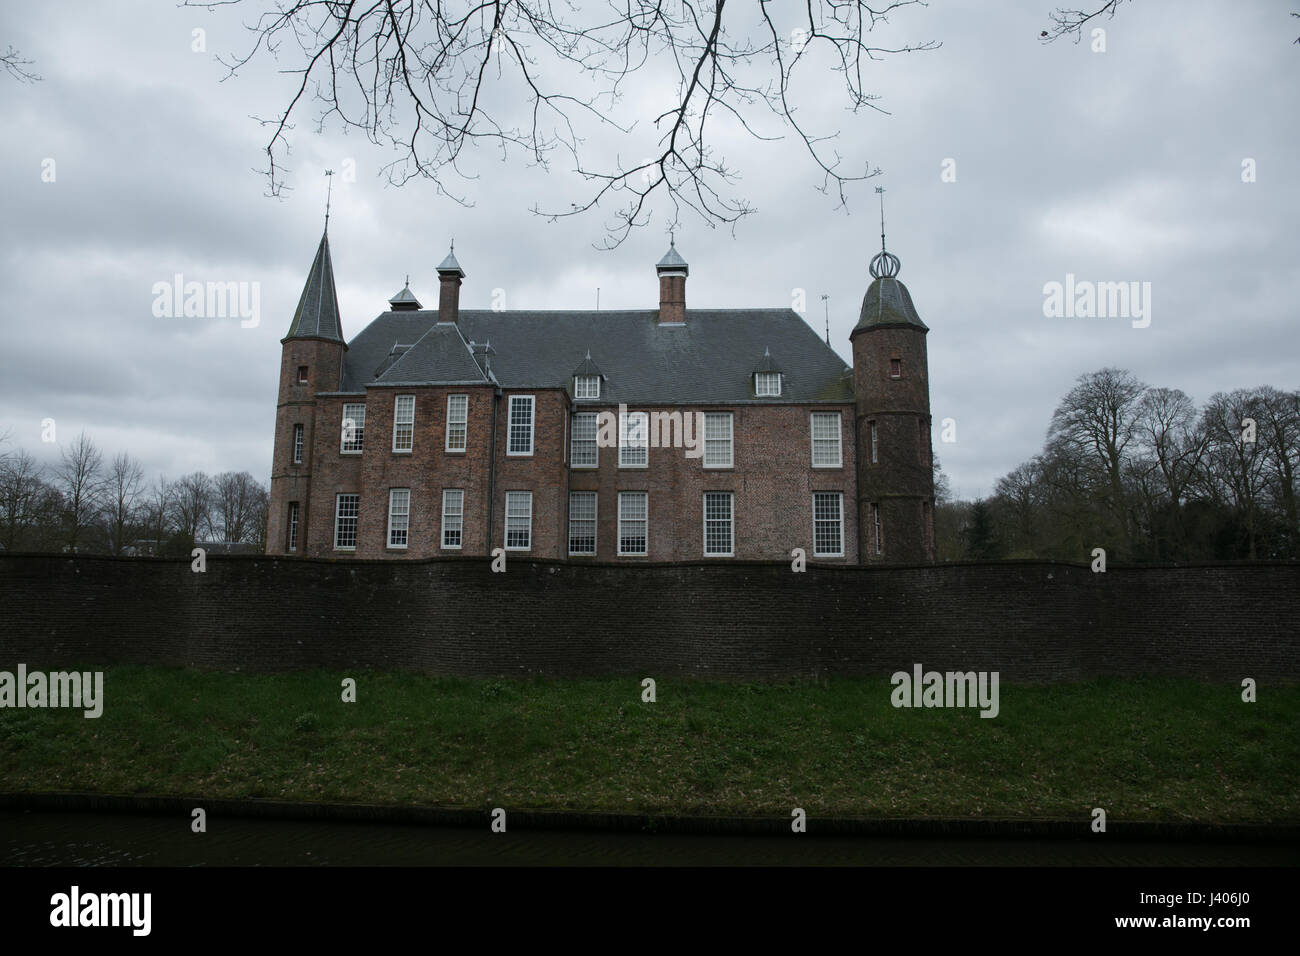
520, 441
633, 521
717, 439
583, 451
582, 522
457, 422
293, 526
586, 386
297, 444
354, 428
345, 522
519, 520
767, 384
875, 521
634, 440
875, 443
399, 516
828, 524
826, 451
403, 422
453, 517
719, 524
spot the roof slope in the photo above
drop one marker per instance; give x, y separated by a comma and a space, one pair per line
317, 314
709, 359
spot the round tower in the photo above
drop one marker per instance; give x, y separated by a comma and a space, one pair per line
892, 386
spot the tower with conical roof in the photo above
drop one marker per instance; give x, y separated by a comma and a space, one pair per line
311, 361
892, 387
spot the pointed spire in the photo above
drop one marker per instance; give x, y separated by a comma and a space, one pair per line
405, 301
450, 265
317, 315
672, 260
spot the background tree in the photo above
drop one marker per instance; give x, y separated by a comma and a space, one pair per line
192, 497
79, 477
123, 488
235, 501
979, 536
22, 493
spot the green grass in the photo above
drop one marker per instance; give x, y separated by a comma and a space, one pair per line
1142, 749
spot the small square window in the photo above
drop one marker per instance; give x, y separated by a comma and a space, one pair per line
767, 384
302, 375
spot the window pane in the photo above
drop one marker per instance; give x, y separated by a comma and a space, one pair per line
582, 450
399, 512
345, 521
633, 509
634, 439
827, 524
519, 520
582, 522
718, 523
403, 422
453, 505
717, 440
354, 427
826, 438
457, 416
521, 425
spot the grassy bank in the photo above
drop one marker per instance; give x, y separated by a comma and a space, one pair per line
1142, 749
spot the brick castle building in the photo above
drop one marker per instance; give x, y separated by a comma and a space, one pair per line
666, 434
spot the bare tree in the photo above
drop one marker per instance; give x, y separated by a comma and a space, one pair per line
1067, 22
1096, 421
79, 477
14, 65
1278, 429
156, 511
20, 495
1170, 439
235, 499
122, 490
192, 504
1236, 461
429, 79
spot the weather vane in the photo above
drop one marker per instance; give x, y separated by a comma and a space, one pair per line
329, 191
881, 190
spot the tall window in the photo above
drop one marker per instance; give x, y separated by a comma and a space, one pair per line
895, 368
875, 445
453, 516
582, 445
633, 521
582, 522
293, 526
875, 522
521, 425
767, 384
717, 439
302, 375
457, 421
634, 440
403, 422
354, 428
519, 520
718, 525
586, 386
345, 522
297, 444
399, 516
828, 524
826, 452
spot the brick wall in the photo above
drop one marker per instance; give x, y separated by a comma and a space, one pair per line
1029, 621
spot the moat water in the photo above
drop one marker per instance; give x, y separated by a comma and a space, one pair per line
98, 839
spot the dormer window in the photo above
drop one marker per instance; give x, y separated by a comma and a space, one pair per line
767, 384
586, 386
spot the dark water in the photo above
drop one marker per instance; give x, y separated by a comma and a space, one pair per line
96, 839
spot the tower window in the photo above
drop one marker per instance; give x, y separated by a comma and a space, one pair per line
875, 521
895, 368
875, 445
297, 444
302, 375
293, 526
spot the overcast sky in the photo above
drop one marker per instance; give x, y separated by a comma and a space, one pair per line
1122, 165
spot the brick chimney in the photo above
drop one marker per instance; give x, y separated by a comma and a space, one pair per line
449, 275
672, 270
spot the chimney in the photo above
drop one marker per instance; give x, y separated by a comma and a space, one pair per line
449, 275
673, 270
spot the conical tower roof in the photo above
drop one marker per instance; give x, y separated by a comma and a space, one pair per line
317, 315
887, 303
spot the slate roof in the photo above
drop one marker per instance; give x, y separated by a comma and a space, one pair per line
318, 307
672, 260
708, 360
887, 304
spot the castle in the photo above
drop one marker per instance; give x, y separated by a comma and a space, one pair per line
661, 435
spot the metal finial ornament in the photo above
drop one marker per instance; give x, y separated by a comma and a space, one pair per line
884, 265
827, 304
329, 192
